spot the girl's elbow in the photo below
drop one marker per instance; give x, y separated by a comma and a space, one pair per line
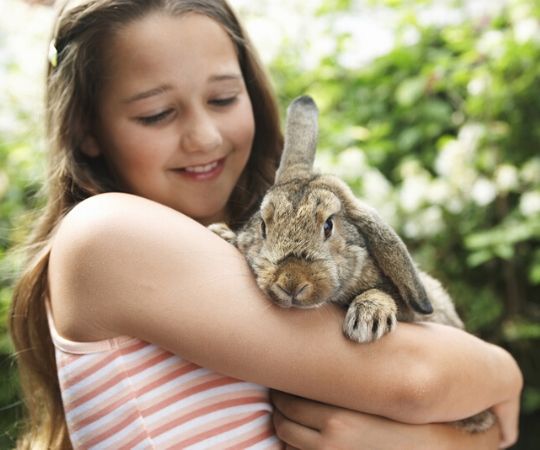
420, 395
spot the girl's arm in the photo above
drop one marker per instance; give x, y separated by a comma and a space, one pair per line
123, 265
306, 424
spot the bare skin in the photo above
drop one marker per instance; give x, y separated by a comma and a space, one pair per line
124, 265
306, 424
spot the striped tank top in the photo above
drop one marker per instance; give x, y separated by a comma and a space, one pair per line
125, 393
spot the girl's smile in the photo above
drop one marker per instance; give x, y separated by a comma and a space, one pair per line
203, 172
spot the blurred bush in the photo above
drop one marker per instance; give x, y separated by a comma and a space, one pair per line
22, 64
435, 122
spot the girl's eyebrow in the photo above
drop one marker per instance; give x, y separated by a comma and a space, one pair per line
150, 93
167, 87
225, 77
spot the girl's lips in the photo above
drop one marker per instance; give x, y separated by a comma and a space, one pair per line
203, 172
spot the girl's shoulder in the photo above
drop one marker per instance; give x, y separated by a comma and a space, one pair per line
100, 247
112, 218
108, 209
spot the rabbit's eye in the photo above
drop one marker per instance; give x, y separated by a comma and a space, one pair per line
263, 229
328, 227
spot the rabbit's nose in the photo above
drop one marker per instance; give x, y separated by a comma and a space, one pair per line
298, 295
293, 291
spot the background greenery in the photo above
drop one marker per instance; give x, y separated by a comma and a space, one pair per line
429, 109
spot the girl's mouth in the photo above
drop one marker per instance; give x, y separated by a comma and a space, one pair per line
203, 172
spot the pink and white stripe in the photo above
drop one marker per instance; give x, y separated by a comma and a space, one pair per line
128, 394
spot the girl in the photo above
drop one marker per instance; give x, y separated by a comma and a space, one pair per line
161, 121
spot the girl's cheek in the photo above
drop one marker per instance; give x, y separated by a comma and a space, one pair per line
244, 123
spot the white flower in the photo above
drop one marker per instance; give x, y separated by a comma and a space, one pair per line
411, 36
483, 192
413, 192
425, 223
411, 229
431, 221
530, 172
455, 205
373, 27
491, 43
450, 158
481, 9
529, 203
263, 33
351, 163
455, 164
470, 134
506, 178
478, 85
376, 187
324, 162
388, 211
439, 15
526, 30
439, 192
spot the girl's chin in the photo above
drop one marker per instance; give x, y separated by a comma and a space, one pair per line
206, 217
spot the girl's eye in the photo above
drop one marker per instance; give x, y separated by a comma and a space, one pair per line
263, 229
328, 227
223, 101
155, 118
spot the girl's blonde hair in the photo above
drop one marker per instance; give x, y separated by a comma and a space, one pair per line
83, 30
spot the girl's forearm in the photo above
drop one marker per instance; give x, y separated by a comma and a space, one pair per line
304, 423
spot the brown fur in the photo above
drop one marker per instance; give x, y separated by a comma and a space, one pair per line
302, 260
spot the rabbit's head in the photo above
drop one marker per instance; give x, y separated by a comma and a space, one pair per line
312, 241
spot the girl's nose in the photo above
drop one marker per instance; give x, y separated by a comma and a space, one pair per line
201, 135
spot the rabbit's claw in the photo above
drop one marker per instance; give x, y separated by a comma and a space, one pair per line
370, 316
224, 232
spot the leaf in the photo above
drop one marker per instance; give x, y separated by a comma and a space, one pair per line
478, 258
521, 329
410, 91
531, 399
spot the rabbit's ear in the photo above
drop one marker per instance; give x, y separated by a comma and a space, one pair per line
301, 132
391, 255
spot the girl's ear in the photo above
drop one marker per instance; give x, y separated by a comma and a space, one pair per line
90, 146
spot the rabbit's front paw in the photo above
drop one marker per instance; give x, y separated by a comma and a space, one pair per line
370, 315
224, 232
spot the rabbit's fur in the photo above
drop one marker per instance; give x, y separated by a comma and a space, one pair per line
312, 241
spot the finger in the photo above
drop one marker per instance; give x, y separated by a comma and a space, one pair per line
309, 413
508, 415
296, 436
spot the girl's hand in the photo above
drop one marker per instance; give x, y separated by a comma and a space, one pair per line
306, 424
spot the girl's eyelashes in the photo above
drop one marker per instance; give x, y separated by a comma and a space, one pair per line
223, 101
164, 115
155, 118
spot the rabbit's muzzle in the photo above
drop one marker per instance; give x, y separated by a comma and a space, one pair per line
299, 283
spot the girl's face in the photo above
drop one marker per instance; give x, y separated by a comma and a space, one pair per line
175, 122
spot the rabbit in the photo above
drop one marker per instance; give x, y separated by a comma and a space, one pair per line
312, 242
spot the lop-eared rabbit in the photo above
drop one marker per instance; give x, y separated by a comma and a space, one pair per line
312, 241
